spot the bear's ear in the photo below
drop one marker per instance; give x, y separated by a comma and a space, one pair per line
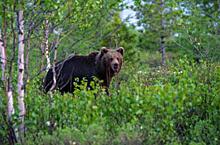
104, 50
120, 50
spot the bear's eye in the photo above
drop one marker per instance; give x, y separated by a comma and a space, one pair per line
111, 59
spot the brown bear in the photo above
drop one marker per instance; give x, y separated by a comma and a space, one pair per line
103, 65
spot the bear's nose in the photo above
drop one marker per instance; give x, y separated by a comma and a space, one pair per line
115, 66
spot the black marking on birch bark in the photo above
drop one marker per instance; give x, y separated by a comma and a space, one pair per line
20, 32
20, 60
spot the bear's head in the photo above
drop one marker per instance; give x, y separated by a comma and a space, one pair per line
112, 59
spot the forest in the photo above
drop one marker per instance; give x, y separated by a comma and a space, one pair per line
166, 93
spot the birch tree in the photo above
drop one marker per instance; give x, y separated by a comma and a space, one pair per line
46, 46
10, 107
6, 68
10, 72
6, 81
21, 105
55, 44
3, 57
3, 44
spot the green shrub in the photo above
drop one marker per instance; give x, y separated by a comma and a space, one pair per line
177, 104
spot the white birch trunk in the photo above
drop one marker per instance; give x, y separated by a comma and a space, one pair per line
52, 122
21, 105
3, 57
54, 64
42, 48
46, 35
10, 106
3, 45
54, 72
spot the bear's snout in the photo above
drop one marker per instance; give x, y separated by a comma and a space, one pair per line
115, 66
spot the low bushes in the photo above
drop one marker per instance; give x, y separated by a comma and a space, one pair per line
178, 104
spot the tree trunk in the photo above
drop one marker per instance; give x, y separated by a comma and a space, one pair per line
42, 55
12, 139
54, 63
10, 106
27, 56
52, 121
46, 35
3, 45
54, 47
9, 78
162, 37
3, 57
163, 51
21, 105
